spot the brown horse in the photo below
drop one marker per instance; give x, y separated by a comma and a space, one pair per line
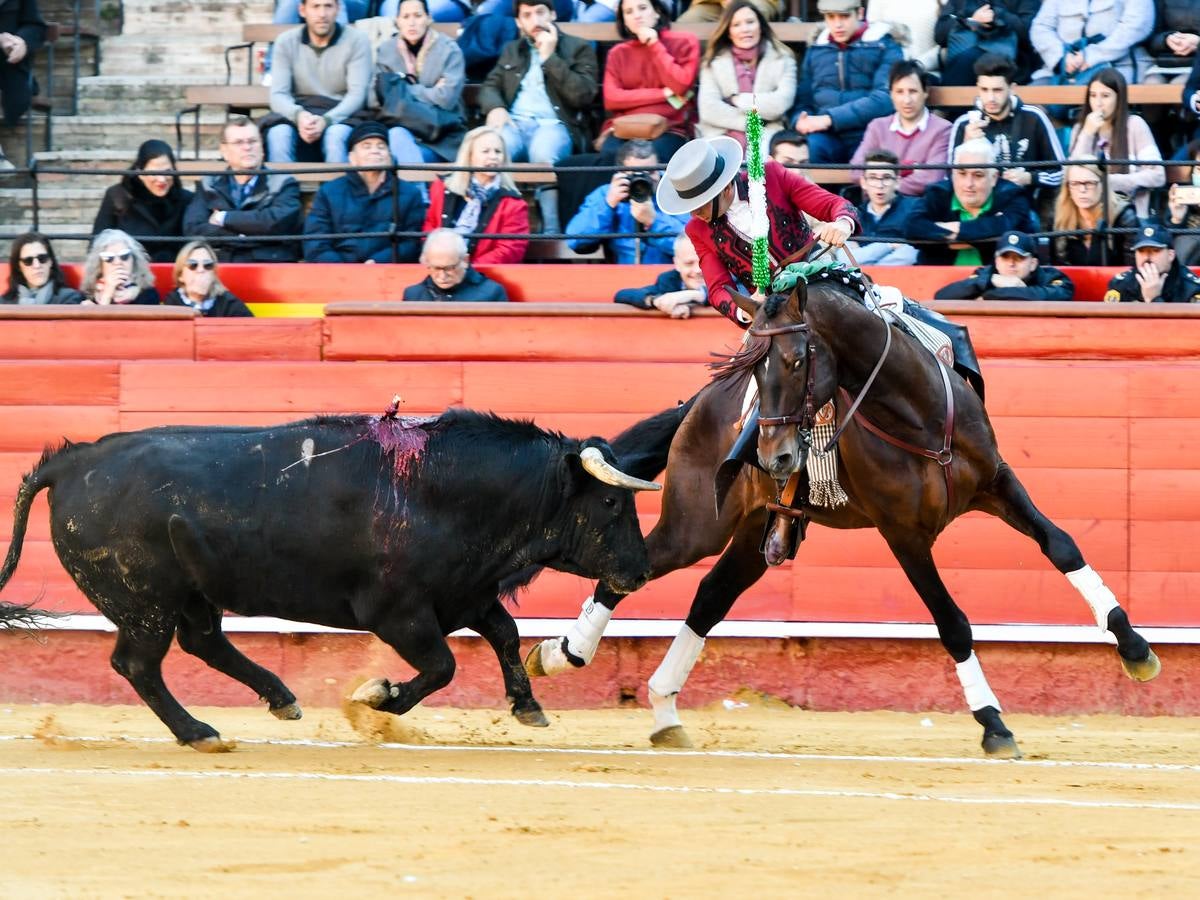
919, 452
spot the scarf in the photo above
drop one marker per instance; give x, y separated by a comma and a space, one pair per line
478, 196
26, 296
745, 64
414, 63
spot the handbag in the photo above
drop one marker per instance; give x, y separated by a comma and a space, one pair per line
398, 106
640, 126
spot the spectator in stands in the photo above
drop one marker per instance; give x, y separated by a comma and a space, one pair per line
248, 200
431, 68
1105, 125
450, 274
913, 133
1014, 275
1191, 95
701, 11
1081, 207
1184, 212
287, 12
745, 65
198, 285
1073, 38
1157, 275
117, 271
676, 291
149, 206
538, 94
914, 25
1019, 133
884, 213
843, 81
789, 148
34, 276
967, 213
481, 202
363, 203
1176, 36
320, 73
22, 32
626, 204
703, 179
652, 72
967, 29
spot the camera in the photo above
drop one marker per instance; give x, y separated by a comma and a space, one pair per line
641, 187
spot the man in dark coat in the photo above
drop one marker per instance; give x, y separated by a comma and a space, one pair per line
247, 200
364, 202
22, 31
1015, 275
450, 276
1157, 275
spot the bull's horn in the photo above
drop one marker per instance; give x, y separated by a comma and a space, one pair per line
599, 468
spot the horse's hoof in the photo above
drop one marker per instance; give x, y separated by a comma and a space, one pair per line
998, 746
373, 693
672, 737
533, 662
288, 713
212, 744
534, 718
1144, 669
549, 657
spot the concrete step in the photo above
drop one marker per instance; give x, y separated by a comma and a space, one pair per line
200, 53
111, 94
152, 17
72, 250
57, 206
81, 161
125, 133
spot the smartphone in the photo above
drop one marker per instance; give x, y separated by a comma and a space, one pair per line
1187, 194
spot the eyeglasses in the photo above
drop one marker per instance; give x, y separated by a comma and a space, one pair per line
1080, 185
879, 179
445, 270
207, 264
113, 257
246, 142
40, 258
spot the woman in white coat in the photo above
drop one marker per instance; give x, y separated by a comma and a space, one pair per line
745, 66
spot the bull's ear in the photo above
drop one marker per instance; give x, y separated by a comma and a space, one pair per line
746, 304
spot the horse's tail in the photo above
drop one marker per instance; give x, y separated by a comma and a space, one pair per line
642, 448
24, 615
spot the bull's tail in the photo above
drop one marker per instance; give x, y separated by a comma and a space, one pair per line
642, 448
22, 615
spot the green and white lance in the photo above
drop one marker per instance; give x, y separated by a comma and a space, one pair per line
760, 226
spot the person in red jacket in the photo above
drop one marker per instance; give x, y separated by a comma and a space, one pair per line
653, 71
703, 178
482, 201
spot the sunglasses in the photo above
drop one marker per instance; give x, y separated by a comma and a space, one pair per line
207, 264
40, 258
113, 257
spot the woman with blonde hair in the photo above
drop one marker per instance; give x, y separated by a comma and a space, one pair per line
1080, 207
117, 271
198, 285
745, 65
482, 201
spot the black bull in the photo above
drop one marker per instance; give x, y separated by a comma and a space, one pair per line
406, 528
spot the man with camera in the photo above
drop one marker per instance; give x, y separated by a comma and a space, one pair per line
626, 205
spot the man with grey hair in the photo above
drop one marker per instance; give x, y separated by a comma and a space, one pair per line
445, 258
966, 213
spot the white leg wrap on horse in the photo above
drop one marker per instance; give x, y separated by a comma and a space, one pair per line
672, 672
584, 636
665, 714
974, 684
1102, 601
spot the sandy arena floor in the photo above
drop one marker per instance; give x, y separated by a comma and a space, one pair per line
775, 802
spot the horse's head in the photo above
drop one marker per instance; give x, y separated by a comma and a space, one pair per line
785, 377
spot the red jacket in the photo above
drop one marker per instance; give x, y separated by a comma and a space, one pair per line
510, 215
725, 255
635, 75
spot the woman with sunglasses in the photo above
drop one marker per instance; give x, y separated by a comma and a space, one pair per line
34, 276
148, 206
117, 271
198, 286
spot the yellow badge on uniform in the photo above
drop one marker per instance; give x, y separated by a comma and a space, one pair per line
1112, 296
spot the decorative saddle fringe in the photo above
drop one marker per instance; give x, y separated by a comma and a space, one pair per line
823, 487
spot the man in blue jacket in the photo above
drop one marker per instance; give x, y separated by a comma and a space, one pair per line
359, 203
843, 81
625, 205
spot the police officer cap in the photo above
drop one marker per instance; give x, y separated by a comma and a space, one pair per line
1015, 242
1151, 234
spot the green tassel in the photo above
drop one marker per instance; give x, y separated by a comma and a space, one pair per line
761, 266
754, 160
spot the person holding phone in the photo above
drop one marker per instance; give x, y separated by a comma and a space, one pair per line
117, 272
1183, 208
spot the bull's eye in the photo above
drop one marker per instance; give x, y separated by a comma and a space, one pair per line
610, 501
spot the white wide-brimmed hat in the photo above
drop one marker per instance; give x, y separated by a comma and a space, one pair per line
698, 171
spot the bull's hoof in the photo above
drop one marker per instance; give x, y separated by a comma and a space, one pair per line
212, 744
672, 737
373, 693
1142, 670
534, 717
1001, 746
288, 713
